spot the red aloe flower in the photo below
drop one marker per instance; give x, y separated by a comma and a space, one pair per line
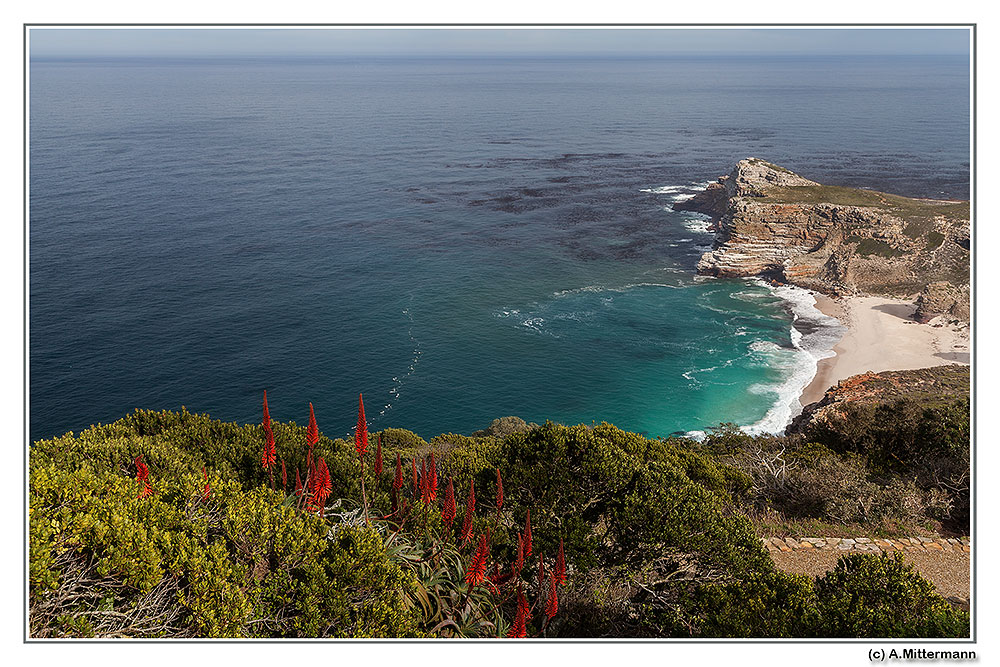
327, 482
470, 508
320, 485
499, 491
416, 483
541, 574
477, 568
208, 489
560, 571
267, 458
318, 477
361, 432
552, 604
267, 415
284, 475
519, 629
141, 471
316, 480
142, 475
378, 457
397, 481
449, 511
527, 535
519, 561
432, 480
312, 434
424, 493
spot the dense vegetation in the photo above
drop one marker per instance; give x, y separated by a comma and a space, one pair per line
173, 524
872, 468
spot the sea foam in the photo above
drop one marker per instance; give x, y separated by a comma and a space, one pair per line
677, 193
813, 335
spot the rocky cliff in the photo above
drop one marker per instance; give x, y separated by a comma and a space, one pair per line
942, 298
773, 223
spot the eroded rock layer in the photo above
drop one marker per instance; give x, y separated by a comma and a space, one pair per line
774, 223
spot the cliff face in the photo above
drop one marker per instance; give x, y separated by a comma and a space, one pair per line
774, 223
942, 298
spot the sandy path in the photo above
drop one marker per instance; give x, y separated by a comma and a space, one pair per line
881, 336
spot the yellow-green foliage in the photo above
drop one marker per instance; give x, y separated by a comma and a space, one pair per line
403, 441
241, 563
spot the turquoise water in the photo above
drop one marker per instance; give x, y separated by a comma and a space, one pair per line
458, 239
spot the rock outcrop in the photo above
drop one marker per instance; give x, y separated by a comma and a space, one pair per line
942, 298
773, 223
922, 384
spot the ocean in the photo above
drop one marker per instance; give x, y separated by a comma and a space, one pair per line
459, 239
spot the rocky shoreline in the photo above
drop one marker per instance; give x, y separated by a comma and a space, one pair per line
873, 321
772, 223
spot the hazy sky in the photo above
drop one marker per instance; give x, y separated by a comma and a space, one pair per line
48, 42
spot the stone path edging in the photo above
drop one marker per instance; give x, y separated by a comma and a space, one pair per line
866, 544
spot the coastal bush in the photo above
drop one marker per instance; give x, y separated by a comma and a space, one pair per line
799, 478
504, 426
934, 240
617, 497
175, 525
768, 604
401, 440
876, 247
865, 595
882, 596
237, 563
926, 441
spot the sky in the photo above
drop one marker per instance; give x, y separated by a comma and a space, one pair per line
181, 42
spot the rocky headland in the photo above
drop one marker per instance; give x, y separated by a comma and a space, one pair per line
773, 223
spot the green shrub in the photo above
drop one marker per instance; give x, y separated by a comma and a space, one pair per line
877, 247
768, 604
863, 596
401, 440
617, 497
882, 596
916, 439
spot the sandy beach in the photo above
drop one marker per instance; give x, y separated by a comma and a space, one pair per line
882, 336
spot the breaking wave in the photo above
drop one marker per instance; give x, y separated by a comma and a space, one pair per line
813, 336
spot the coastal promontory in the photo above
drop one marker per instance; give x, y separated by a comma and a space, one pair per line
773, 223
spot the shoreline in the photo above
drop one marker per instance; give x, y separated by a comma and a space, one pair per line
813, 335
882, 336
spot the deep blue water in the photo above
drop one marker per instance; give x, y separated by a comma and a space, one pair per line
458, 239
